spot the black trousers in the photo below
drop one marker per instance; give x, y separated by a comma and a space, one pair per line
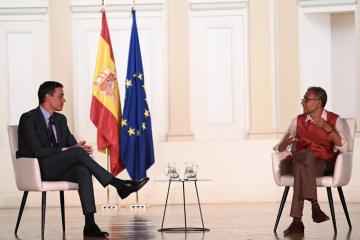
75, 165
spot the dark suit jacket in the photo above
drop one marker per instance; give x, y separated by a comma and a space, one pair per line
33, 137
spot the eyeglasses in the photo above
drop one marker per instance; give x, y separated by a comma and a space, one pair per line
305, 99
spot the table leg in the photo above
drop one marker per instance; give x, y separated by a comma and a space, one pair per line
166, 202
186, 228
184, 204
197, 194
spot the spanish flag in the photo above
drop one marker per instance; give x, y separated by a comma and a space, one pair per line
105, 110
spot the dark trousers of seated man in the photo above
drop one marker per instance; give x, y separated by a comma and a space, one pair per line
305, 167
75, 165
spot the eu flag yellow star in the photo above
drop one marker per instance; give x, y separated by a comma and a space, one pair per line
128, 83
124, 122
131, 131
146, 113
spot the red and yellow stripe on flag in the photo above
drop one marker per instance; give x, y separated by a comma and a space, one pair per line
105, 110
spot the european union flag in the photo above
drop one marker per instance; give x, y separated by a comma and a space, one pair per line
137, 150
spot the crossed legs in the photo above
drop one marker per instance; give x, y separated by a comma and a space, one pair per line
76, 165
305, 167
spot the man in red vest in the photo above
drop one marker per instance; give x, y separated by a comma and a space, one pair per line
314, 139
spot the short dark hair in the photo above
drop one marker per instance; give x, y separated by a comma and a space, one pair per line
320, 93
47, 87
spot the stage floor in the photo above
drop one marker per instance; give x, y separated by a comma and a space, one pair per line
225, 221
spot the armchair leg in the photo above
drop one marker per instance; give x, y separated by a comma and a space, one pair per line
43, 208
23, 201
343, 203
282, 204
62, 210
331, 204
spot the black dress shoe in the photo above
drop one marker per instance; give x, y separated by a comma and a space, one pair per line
319, 216
295, 228
130, 187
94, 231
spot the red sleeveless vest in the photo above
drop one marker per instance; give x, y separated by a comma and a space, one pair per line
314, 138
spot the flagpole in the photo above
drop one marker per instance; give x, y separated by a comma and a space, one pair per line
102, 5
107, 167
108, 205
137, 205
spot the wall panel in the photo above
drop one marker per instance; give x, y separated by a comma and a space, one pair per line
24, 64
219, 71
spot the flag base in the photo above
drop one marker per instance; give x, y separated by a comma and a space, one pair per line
136, 207
109, 207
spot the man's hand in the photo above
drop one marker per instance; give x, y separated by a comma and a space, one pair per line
288, 140
87, 148
323, 124
332, 132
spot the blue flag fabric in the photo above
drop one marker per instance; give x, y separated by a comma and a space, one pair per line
137, 150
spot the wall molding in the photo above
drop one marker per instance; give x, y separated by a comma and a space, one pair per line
217, 5
18, 8
327, 5
92, 6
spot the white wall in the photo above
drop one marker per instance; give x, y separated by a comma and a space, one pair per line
328, 59
343, 57
315, 52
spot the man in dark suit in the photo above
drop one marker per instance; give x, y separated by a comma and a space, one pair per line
43, 133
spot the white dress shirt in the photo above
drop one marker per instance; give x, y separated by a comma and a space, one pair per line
47, 115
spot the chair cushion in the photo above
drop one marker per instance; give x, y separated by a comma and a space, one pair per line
58, 186
341, 177
327, 181
286, 180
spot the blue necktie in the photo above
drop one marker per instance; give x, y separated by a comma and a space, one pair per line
51, 132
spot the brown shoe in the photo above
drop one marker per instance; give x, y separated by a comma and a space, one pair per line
296, 227
319, 216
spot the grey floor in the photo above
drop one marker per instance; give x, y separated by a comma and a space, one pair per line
225, 221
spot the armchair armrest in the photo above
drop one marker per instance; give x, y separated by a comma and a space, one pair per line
342, 170
277, 157
27, 174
